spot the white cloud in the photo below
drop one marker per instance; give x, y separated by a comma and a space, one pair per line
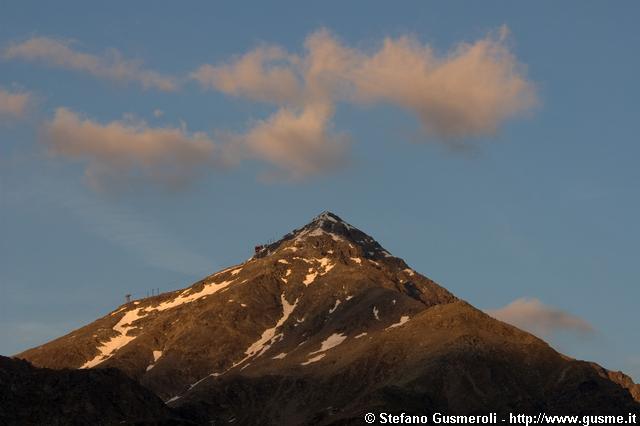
540, 319
13, 104
257, 75
111, 65
122, 152
299, 143
468, 92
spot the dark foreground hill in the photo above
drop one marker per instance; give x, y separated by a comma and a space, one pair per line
39, 396
324, 326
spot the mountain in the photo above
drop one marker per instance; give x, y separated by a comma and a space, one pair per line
39, 396
323, 326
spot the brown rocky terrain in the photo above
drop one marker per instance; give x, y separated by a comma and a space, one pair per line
323, 326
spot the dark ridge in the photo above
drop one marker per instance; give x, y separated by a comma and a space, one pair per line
39, 396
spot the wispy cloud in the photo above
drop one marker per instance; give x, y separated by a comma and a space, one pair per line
124, 152
532, 315
468, 92
14, 105
110, 65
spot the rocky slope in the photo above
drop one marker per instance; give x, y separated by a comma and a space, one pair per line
322, 327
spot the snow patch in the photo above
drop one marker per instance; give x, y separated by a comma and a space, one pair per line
119, 310
357, 260
156, 357
376, 313
403, 320
335, 306
283, 261
202, 380
314, 359
325, 264
280, 355
324, 261
269, 335
360, 335
207, 290
330, 342
225, 270
317, 232
336, 237
311, 276
111, 346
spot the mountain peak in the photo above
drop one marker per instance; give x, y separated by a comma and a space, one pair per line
327, 216
326, 229
328, 222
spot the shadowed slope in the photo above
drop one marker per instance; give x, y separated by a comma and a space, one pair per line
36, 396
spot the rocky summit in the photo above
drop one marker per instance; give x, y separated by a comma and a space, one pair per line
324, 326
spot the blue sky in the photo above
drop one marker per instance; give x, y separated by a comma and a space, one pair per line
539, 201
